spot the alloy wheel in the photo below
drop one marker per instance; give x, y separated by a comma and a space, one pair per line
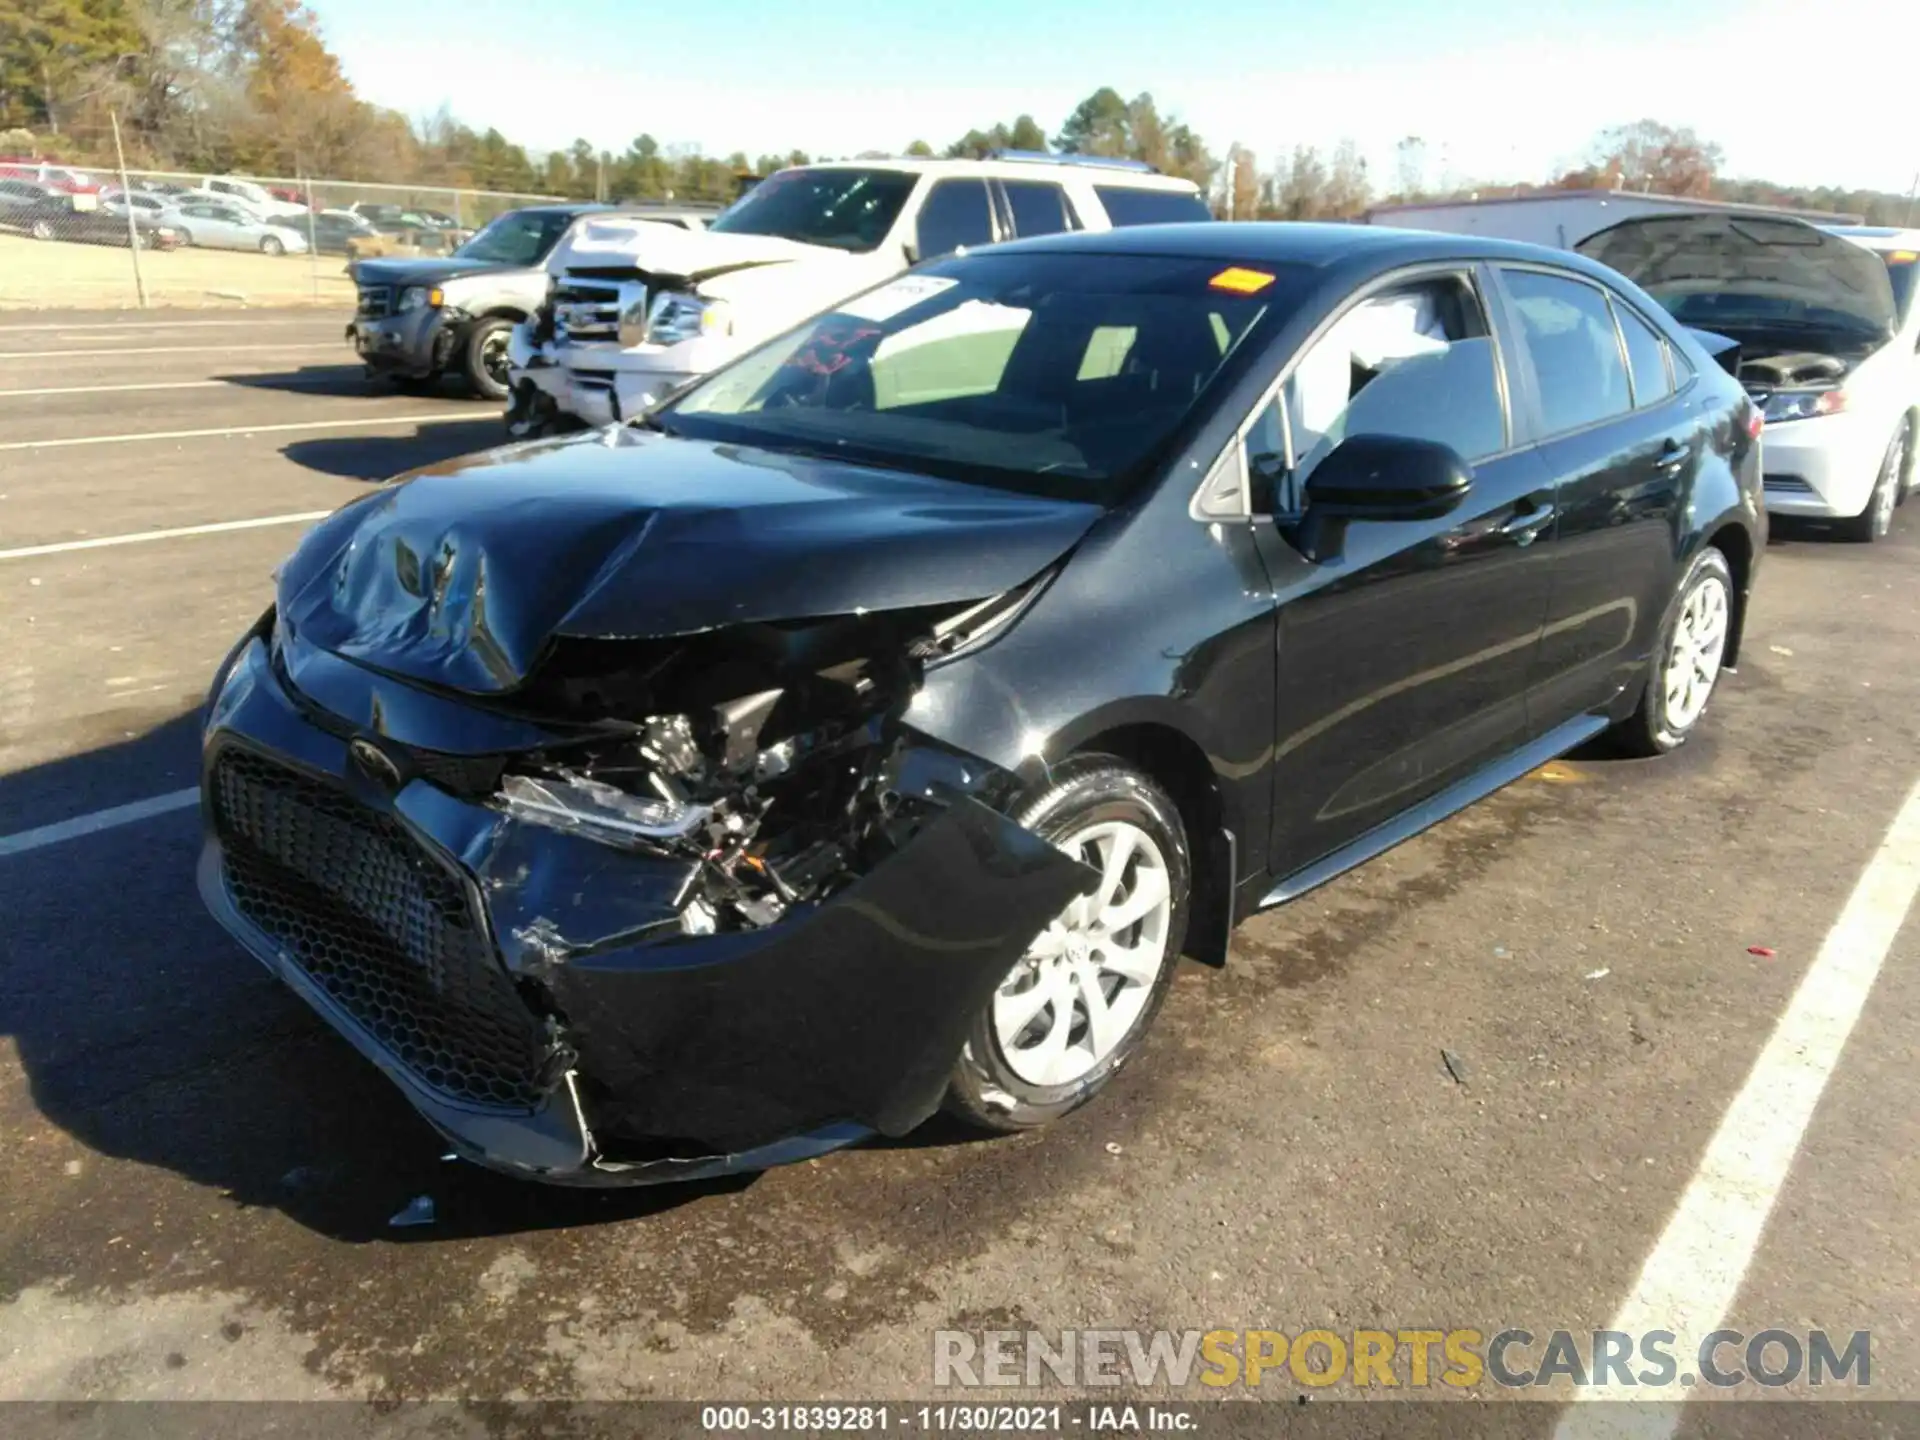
1886, 495
1086, 979
1694, 653
493, 357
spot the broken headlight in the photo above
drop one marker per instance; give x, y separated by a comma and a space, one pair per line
675, 317
415, 296
579, 806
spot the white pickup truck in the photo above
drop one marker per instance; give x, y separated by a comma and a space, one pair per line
636, 309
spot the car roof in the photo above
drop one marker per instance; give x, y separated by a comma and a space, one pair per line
1284, 242
1118, 174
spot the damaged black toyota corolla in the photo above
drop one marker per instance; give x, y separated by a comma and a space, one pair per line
872, 726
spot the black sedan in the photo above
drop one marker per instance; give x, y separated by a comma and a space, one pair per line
49, 214
872, 726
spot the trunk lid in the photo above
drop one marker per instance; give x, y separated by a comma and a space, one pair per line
1715, 271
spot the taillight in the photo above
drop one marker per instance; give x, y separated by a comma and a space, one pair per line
1756, 422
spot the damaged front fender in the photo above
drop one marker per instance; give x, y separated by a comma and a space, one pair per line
854, 1009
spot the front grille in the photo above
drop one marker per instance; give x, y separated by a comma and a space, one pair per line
385, 931
586, 308
1787, 485
375, 301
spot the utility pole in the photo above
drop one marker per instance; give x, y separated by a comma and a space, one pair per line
1912, 196
126, 198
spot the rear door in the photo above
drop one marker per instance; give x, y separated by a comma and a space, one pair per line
1617, 428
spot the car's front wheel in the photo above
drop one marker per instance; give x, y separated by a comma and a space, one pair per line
485, 362
271, 246
1686, 661
1889, 489
1078, 1004
43, 230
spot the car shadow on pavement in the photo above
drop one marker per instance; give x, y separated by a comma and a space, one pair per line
381, 457
148, 1035
347, 381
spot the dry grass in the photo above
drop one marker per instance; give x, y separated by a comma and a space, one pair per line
57, 274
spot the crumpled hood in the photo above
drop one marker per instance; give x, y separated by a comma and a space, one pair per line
662, 249
1760, 257
459, 575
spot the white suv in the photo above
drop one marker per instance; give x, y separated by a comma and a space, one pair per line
637, 308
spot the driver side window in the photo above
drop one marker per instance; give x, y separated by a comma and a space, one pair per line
1416, 361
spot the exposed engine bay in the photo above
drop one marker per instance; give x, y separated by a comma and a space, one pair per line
769, 754
1797, 369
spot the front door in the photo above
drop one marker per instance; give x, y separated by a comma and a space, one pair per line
1403, 663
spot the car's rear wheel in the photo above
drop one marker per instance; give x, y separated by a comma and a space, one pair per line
185, 236
485, 360
1078, 1004
1686, 661
1889, 488
42, 230
269, 245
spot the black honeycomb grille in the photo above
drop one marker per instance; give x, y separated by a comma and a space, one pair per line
379, 926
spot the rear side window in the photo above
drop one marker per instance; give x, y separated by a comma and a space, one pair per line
1150, 207
1574, 349
1038, 208
1646, 358
957, 213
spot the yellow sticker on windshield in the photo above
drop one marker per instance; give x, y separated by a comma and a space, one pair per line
1904, 257
1241, 281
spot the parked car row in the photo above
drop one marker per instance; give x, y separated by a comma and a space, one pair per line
31, 208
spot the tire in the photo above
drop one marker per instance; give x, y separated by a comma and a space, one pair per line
271, 246
186, 237
1008, 1077
483, 359
1889, 488
42, 230
1658, 726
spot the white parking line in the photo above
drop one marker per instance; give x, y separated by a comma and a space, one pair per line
441, 417
99, 820
1689, 1282
141, 537
114, 389
255, 321
171, 350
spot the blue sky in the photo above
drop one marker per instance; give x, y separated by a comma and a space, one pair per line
1498, 88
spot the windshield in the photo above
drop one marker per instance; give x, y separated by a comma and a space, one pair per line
1058, 373
520, 237
844, 209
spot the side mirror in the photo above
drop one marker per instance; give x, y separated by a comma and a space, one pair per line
1379, 478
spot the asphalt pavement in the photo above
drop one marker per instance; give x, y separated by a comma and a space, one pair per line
200, 1177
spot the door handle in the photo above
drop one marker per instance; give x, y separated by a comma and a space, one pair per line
1672, 456
1525, 527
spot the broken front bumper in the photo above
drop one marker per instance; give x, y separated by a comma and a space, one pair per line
533, 993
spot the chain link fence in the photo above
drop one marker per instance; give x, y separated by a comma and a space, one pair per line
89, 237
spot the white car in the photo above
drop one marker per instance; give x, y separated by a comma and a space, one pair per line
256, 198
1829, 346
638, 307
218, 225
